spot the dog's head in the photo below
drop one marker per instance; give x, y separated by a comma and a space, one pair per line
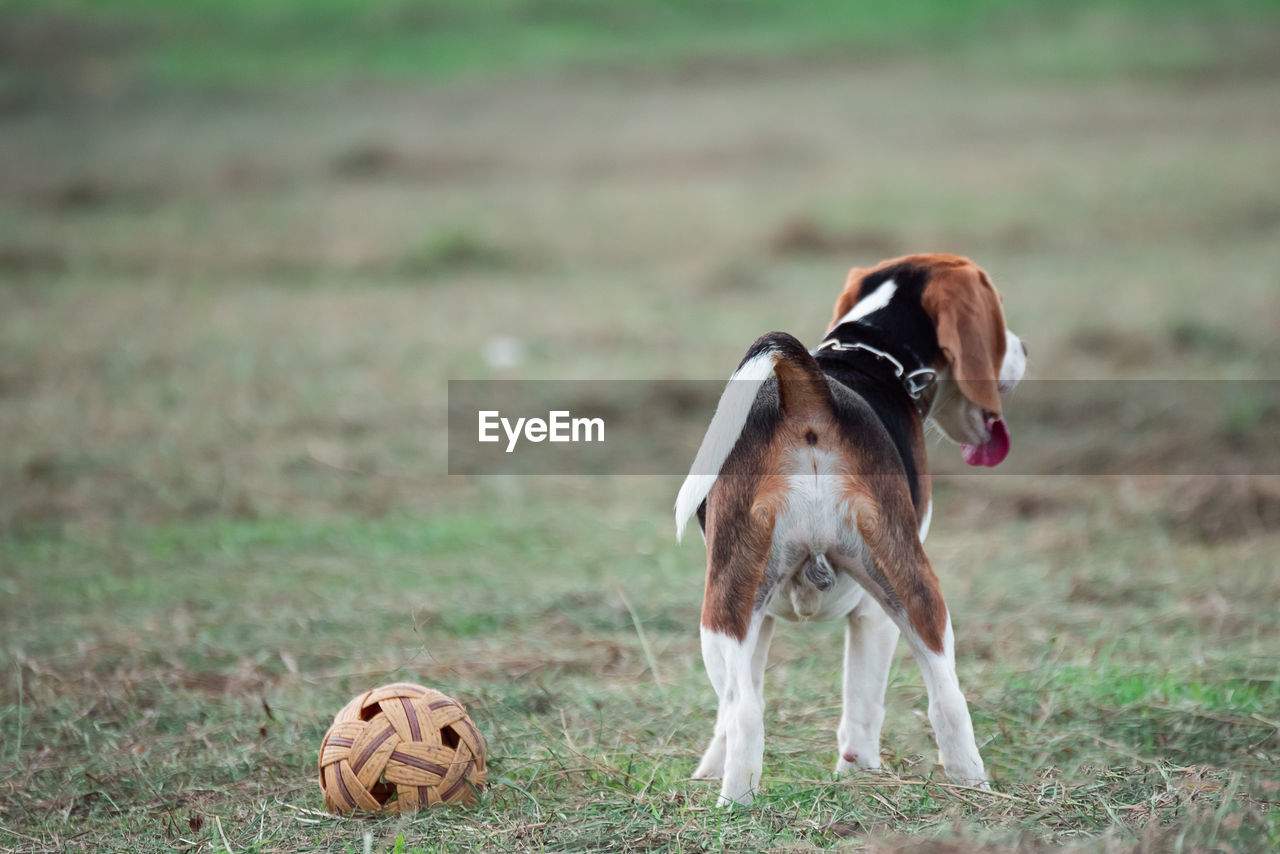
976, 357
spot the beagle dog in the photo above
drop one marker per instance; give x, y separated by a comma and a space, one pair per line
812, 493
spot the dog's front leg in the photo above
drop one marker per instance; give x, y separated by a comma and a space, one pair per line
870, 638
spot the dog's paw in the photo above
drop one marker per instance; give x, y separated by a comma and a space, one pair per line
849, 762
964, 766
742, 799
739, 786
712, 765
974, 777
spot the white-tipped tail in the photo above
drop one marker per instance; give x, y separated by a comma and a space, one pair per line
726, 425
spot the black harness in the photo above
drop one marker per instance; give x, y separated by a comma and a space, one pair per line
919, 383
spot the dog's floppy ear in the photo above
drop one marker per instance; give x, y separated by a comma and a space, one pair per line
966, 313
849, 296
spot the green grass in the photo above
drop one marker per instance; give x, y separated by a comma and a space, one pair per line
243, 248
207, 691
245, 44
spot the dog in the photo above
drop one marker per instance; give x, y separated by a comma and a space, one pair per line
813, 497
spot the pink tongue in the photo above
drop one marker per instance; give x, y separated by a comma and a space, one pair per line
991, 452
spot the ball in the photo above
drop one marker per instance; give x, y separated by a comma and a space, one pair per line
400, 748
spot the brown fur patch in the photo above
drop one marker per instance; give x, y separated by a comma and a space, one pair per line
802, 390
886, 523
741, 510
966, 312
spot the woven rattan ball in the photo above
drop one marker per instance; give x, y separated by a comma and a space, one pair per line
400, 748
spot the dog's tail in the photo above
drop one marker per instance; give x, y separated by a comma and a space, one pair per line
802, 389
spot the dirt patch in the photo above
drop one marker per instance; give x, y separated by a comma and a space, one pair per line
242, 174
245, 682
941, 846
1195, 336
1186, 338
375, 161
1106, 591
983, 506
27, 260
89, 193
1220, 509
803, 235
1123, 347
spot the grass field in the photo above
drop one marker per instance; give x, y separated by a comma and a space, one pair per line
244, 246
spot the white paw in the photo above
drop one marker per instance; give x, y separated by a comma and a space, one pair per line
742, 800
738, 790
851, 761
970, 773
712, 765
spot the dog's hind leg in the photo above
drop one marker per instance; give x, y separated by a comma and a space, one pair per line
736, 630
869, 641
737, 748
722, 656
760, 656
948, 711
714, 657
897, 573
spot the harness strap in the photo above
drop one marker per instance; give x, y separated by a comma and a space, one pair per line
915, 383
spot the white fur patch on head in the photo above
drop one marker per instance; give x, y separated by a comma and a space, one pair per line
1014, 364
870, 304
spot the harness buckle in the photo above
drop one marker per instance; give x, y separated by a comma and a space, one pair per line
918, 381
